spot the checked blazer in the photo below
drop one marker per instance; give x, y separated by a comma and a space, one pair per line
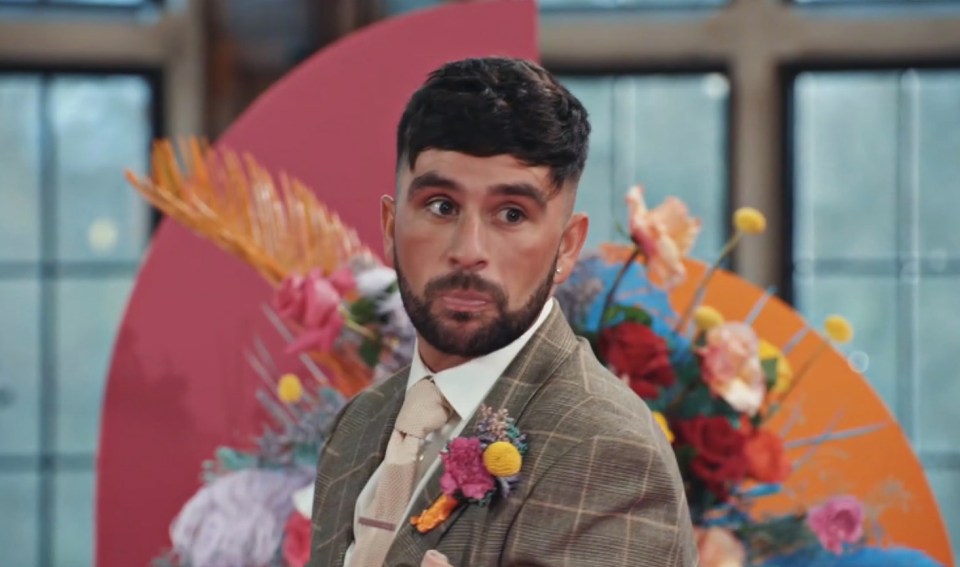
600, 484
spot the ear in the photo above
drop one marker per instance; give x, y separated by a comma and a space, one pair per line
571, 243
388, 217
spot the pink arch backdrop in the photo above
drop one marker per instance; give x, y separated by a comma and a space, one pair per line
178, 385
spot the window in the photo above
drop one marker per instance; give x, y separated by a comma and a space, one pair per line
877, 183
71, 237
667, 132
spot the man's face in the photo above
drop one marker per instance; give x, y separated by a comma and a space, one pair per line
476, 243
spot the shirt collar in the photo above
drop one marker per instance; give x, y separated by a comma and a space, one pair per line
465, 386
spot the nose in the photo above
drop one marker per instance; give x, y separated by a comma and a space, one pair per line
468, 250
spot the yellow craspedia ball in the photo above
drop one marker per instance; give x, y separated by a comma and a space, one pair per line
289, 390
662, 422
768, 351
502, 459
838, 329
706, 318
749, 220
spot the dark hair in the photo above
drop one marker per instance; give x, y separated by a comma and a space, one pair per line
497, 105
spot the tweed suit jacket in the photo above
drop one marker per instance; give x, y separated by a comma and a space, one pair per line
600, 484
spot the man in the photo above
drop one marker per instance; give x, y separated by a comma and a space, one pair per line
480, 231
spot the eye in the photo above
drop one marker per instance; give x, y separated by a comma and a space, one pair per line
441, 207
512, 215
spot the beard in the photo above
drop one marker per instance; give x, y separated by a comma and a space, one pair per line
456, 340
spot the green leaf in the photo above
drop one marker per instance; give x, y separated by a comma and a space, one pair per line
769, 371
630, 313
363, 311
370, 351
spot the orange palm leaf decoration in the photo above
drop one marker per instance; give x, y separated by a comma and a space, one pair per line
234, 203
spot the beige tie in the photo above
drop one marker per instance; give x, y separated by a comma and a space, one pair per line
422, 413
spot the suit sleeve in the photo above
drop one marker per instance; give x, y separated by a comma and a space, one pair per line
607, 501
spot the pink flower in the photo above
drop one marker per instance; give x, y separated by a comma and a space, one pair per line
463, 469
434, 558
313, 303
665, 235
296, 540
718, 547
837, 521
731, 366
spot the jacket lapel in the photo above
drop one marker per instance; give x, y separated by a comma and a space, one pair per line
361, 442
522, 379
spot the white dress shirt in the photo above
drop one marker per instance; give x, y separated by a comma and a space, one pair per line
464, 387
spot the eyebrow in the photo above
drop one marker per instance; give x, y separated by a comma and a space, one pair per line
434, 180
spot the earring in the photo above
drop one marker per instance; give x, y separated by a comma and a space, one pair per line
558, 270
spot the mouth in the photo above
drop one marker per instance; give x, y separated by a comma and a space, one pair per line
470, 301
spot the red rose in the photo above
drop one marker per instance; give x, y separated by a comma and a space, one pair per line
296, 540
638, 355
719, 459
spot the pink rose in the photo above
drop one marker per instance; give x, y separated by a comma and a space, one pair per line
837, 521
313, 303
463, 469
664, 234
718, 547
731, 366
296, 540
434, 558
289, 300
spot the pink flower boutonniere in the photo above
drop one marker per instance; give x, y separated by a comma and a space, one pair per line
477, 468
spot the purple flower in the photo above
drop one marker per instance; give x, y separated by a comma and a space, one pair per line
837, 521
238, 519
463, 469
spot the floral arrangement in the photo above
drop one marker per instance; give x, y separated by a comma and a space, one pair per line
713, 384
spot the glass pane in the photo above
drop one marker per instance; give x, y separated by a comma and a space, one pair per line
74, 510
19, 167
19, 367
938, 152
664, 132
673, 142
870, 305
102, 127
938, 387
597, 192
19, 521
89, 313
945, 484
846, 165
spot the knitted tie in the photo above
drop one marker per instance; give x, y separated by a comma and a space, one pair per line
422, 413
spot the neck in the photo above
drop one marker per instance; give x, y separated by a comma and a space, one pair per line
436, 360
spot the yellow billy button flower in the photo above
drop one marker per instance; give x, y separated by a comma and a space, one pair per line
502, 459
838, 329
706, 318
749, 220
662, 422
769, 351
289, 390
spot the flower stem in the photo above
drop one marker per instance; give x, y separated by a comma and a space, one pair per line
608, 300
702, 286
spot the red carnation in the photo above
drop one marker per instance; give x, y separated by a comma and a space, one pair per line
719, 459
638, 355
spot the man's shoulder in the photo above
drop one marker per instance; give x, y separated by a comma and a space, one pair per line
584, 399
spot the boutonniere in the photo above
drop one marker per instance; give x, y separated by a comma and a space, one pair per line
477, 468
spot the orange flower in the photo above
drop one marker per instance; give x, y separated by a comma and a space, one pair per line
718, 547
664, 234
766, 459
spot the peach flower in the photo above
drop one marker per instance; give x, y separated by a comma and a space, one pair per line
719, 548
664, 234
731, 366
